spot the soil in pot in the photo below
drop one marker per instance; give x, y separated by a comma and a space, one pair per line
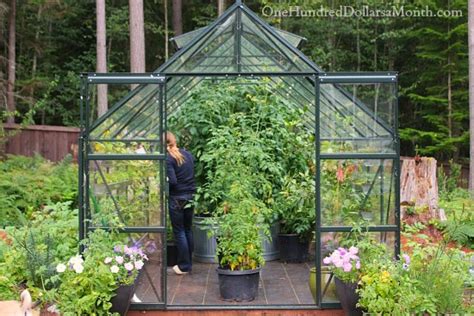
292, 249
240, 286
346, 292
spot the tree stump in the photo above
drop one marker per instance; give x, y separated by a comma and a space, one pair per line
419, 185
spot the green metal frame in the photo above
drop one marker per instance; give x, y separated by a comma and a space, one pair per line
306, 83
86, 157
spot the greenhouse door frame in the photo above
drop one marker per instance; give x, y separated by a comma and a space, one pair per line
355, 78
85, 157
160, 79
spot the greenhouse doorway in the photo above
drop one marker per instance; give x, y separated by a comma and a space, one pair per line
106, 157
352, 118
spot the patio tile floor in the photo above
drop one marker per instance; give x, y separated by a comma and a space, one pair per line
280, 284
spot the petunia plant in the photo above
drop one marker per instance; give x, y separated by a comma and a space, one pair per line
89, 281
345, 264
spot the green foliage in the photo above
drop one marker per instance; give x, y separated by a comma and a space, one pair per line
27, 184
295, 205
415, 285
459, 208
241, 219
51, 236
447, 185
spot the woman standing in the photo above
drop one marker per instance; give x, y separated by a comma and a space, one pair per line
180, 170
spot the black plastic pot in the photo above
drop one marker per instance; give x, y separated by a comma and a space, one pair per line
121, 301
171, 254
292, 249
240, 286
348, 297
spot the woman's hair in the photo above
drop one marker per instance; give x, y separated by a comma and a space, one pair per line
173, 149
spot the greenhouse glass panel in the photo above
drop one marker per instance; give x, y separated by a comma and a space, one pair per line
359, 117
132, 116
126, 193
357, 190
184, 39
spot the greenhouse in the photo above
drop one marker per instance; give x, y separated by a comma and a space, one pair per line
261, 119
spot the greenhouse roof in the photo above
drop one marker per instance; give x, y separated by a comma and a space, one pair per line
241, 44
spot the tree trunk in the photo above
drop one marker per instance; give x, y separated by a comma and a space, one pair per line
137, 37
101, 57
418, 184
165, 9
471, 92
220, 7
11, 62
177, 17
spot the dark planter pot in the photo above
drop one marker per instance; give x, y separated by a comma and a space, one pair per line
292, 249
121, 301
171, 254
348, 297
240, 286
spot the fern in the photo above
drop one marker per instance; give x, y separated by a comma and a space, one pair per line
462, 233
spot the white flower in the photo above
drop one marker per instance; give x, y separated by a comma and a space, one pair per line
61, 268
78, 267
76, 259
128, 266
119, 259
108, 260
114, 269
138, 264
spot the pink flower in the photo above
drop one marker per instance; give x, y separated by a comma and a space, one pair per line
342, 251
107, 260
340, 174
327, 260
139, 264
353, 250
128, 266
338, 263
114, 269
119, 259
347, 267
358, 265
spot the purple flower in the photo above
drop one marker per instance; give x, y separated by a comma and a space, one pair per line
342, 251
117, 248
406, 258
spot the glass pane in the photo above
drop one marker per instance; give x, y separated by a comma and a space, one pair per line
136, 116
356, 190
278, 57
150, 286
212, 49
138, 147
126, 193
358, 117
330, 242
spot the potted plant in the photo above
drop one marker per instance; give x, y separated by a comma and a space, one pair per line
296, 209
239, 245
345, 265
101, 280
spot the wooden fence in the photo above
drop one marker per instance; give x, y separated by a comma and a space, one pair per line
51, 142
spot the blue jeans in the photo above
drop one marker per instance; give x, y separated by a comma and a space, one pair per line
181, 221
